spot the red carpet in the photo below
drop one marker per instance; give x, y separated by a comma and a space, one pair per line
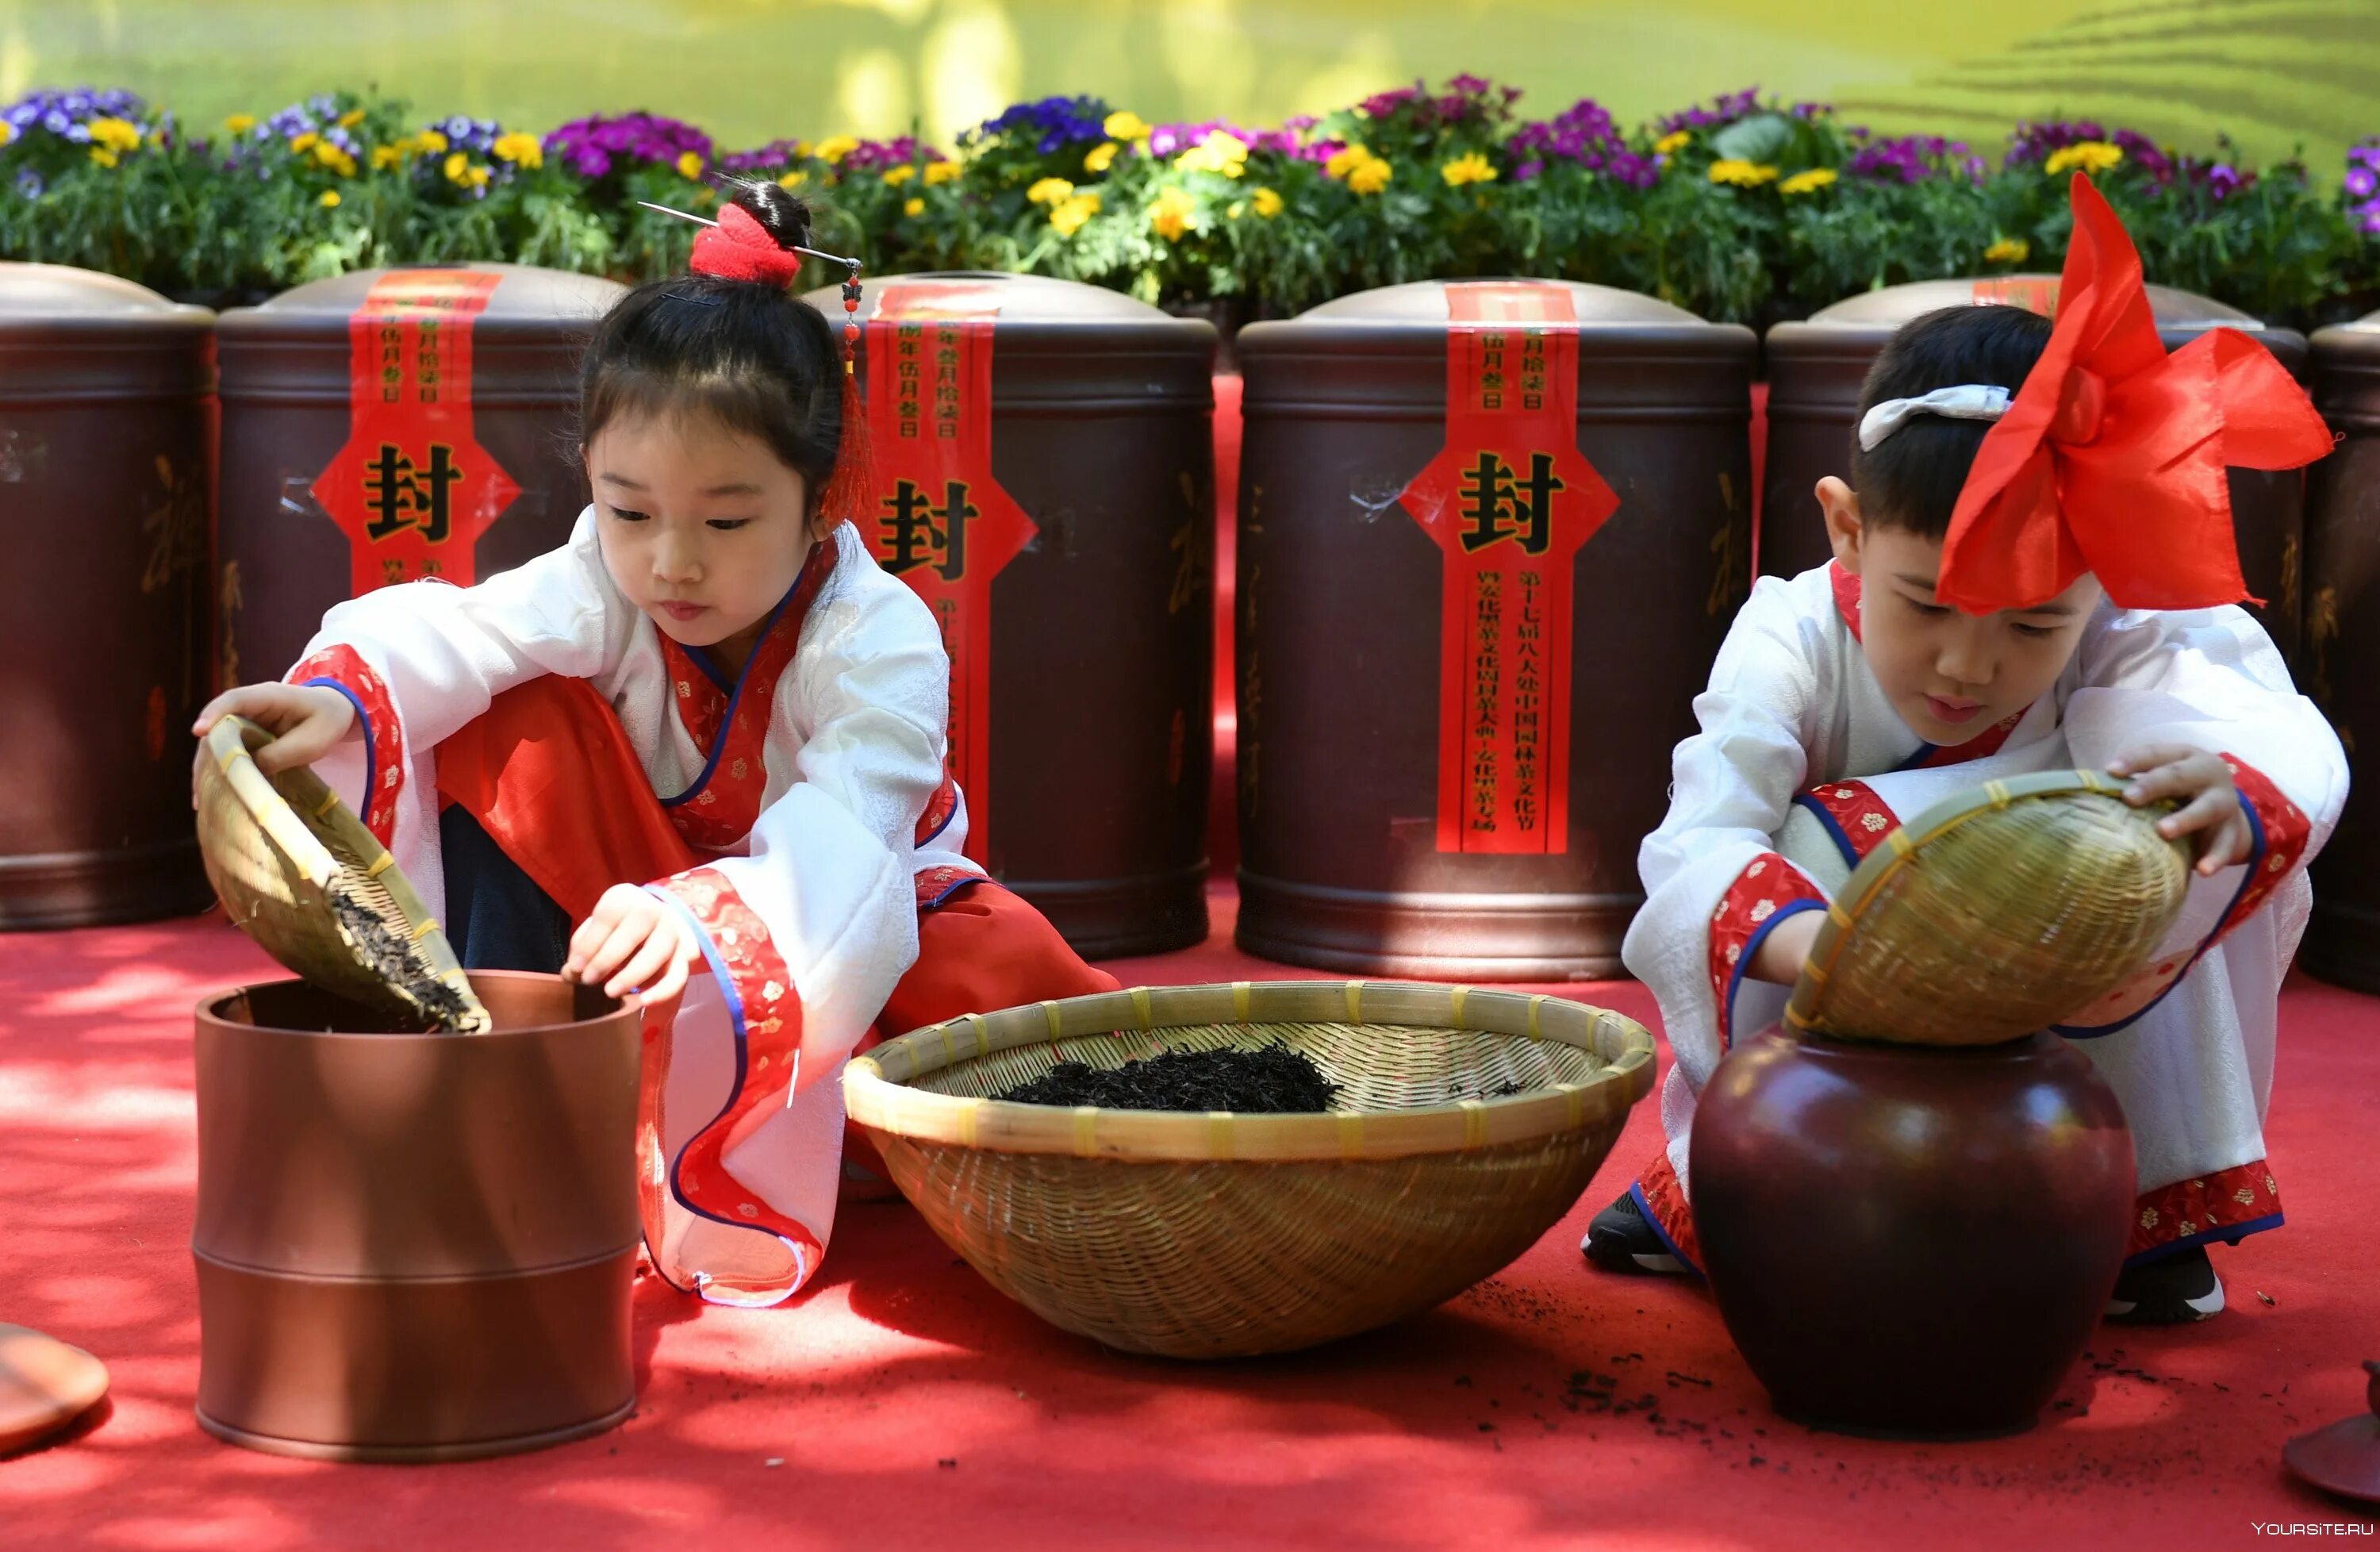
909, 1405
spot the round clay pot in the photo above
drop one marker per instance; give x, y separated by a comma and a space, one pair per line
1907, 1240
415, 1247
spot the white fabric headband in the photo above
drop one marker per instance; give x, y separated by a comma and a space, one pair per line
1969, 401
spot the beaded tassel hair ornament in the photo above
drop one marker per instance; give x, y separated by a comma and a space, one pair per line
736, 247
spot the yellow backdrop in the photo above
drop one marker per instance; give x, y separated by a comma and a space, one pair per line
2274, 73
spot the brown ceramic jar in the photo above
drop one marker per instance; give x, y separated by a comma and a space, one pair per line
2342, 646
107, 495
415, 1247
1909, 1240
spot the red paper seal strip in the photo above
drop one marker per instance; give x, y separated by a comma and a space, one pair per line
1509, 501
413, 490
938, 520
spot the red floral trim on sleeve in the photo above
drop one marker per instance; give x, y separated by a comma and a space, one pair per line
701, 704
383, 735
766, 1013
2286, 833
936, 885
1861, 818
2237, 1201
939, 809
1767, 884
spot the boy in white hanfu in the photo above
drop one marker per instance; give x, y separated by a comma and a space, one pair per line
2035, 569
699, 748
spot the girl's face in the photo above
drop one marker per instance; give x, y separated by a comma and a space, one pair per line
703, 527
1951, 676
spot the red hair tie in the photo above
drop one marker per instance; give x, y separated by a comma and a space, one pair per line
2111, 457
739, 247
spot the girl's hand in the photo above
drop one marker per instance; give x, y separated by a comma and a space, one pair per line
2210, 803
1787, 947
307, 722
633, 943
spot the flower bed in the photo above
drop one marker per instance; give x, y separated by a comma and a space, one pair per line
1740, 209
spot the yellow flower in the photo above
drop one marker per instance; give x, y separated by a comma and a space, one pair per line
387, 156
303, 143
103, 156
689, 166
1171, 215
794, 179
1670, 144
1049, 191
835, 147
116, 134
1220, 151
520, 149
938, 173
352, 118
1807, 183
895, 176
2091, 156
1743, 174
239, 124
8, 131
1369, 178
1125, 126
330, 199
1068, 215
328, 155
1268, 203
2008, 250
457, 168
1342, 163
431, 142
342, 163
915, 207
1473, 169
1101, 158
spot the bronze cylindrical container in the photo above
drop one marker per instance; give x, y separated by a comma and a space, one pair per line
392, 424
1436, 482
1909, 1240
415, 1247
1044, 478
1815, 368
107, 485
2342, 646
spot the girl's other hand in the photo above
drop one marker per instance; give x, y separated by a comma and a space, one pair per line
632, 942
2201, 783
307, 722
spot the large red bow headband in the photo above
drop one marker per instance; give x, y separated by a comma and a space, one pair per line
2110, 459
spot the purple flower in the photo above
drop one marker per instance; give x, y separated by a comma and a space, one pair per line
1528, 170
2362, 182
1723, 110
1048, 126
592, 147
1583, 133
1912, 159
29, 184
2033, 143
766, 158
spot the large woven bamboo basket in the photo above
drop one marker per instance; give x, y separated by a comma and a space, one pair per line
303, 877
1993, 914
1468, 1122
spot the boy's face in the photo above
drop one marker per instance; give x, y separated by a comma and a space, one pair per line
1950, 675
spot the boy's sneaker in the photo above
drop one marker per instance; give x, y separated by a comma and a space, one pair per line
2172, 1290
1619, 1240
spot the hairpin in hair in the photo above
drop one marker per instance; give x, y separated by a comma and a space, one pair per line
738, 247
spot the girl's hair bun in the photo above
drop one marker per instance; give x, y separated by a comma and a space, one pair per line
782, 214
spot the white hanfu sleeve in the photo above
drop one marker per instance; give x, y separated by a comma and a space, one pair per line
1715, 886
805, 938
422, 660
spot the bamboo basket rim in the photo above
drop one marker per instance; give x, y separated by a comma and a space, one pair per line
1806, 1009
273, 804
878, 1095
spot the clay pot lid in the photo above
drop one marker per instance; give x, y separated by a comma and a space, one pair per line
44, 1386
1423, 303
1895, 304
1993, 915
2345, 1457
316, 890
1035, 299
44, 297
526, 294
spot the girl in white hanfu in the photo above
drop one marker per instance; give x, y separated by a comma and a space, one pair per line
2035, 569
698, 749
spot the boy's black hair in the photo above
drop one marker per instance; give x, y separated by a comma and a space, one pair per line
763, 362
1910, 480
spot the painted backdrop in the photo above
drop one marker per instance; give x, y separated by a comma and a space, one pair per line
2275, 74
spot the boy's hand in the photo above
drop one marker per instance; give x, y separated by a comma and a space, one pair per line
307, 722
1787, 947
632, 942
2210, 803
